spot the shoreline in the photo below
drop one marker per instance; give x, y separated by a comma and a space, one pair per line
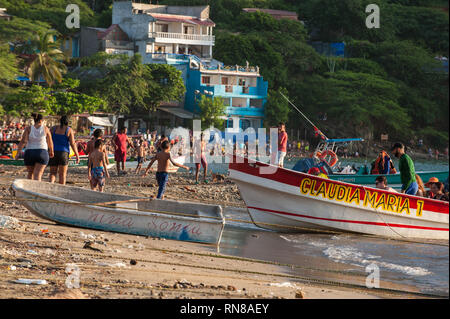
128, 266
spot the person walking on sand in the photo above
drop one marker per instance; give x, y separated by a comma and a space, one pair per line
141, 152
120, 142
38, 149
63, 138
407, 171
162, 174
282, 143
97, 168
199, 156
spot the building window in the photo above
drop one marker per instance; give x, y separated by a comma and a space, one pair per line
242, 82
245, 89
230, 123
239, 102
160, 49
245, 124
229, 89
162, 27
226, 101
206, 80
256, 103
224, 80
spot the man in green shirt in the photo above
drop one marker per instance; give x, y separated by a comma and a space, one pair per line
407, 171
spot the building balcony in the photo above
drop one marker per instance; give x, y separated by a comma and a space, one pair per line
181, 38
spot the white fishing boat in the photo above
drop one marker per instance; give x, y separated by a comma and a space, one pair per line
82, 207
290, 201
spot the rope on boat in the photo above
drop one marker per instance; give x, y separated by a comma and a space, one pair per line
381, 216
287, 227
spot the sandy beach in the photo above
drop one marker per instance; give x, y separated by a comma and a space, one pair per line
112, 265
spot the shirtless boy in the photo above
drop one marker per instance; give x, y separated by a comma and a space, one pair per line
140, 150
97, 168
163, 157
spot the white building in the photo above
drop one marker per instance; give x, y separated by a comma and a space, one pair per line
161, 31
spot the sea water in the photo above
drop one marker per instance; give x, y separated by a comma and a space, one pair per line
343, 257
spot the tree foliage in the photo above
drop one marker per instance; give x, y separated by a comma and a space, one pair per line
127, 84
277, 108
211, 111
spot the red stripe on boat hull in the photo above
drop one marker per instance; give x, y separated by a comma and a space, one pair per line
350, 221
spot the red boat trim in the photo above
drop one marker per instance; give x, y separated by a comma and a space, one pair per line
349, 221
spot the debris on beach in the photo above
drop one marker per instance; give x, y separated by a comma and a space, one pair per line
9, 222
26, 281
299, 294
112, 265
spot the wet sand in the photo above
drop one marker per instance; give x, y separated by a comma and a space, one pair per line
116, 265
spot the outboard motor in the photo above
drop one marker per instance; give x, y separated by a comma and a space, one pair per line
305, 164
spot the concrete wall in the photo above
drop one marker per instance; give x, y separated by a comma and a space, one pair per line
89, 43
136, 26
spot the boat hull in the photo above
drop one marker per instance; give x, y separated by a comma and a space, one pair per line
290, 201
170, 219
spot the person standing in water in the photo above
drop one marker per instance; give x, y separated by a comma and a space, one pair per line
63, 138
38, 149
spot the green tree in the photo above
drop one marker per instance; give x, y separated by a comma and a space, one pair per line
211, 111
8, 67
165, 85
47, 62
68, 101
128, 85
277, 108
19, 30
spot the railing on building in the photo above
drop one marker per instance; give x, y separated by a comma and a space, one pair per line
182, 36
234, 68
178, 57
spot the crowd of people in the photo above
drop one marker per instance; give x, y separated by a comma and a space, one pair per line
51, 146
12, 131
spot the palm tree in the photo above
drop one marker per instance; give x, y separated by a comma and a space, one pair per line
47, 62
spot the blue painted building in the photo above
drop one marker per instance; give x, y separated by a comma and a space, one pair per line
242, 89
